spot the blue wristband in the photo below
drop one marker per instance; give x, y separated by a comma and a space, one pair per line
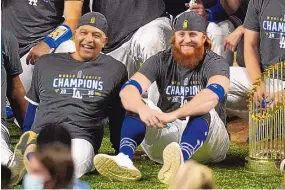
217, 13
133, 83
61, 34
217, 89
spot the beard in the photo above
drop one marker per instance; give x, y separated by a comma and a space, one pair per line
190, 59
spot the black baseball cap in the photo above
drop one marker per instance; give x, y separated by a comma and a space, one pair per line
94, 19
189, 20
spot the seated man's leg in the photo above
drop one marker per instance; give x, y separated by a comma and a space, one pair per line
26, 76
82, 153
193, 137
121, 167
200, 142
239, 89
217, 34
227, 27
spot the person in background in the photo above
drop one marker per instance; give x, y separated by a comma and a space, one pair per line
264, 46
41, 27
11, 88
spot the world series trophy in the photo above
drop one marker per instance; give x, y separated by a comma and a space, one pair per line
267, 122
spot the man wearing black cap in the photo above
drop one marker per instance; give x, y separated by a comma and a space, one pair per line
188, 121
77, 90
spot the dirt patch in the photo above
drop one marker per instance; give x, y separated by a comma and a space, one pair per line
238, 130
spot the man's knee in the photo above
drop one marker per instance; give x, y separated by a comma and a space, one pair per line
151, 39
82, 156
227, 27
26, 76
66, 47
215, 34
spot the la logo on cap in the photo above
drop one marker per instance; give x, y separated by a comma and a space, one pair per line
185, 24
92, 20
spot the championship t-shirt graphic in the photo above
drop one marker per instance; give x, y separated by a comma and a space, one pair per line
274, 28
78, 85
181, 93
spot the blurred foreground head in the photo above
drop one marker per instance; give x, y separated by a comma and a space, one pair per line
193, 175
51, 167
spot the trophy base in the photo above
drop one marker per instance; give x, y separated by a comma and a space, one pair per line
264, 166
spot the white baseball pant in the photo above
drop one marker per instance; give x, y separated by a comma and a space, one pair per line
82, 154
240, 86
217, 32
6, 153
214, 148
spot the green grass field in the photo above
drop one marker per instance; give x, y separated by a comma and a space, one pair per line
230, 174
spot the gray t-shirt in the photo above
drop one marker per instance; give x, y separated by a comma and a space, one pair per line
10, 66
77, 94
125, 17
178, 85
31, 20
267, 18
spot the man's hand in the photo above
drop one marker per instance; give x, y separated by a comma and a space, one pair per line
274, 98
37, 51
199, 9
150, 117
167, 117
231, 42
260, 94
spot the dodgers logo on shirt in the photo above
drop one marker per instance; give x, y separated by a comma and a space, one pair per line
274, 28
78, 85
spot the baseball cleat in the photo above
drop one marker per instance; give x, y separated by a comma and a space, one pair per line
118, 167
172, 160
25, 146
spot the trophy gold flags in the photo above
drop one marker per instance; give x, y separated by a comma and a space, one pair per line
267, 121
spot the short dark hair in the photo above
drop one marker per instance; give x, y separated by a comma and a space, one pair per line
53, 132
57, 159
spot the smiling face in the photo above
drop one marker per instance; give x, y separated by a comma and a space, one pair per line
89, 42
188, 41
188, 47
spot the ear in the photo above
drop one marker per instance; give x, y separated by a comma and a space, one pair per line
105, 40
204, 37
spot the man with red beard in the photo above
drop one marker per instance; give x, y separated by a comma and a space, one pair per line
189, 119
